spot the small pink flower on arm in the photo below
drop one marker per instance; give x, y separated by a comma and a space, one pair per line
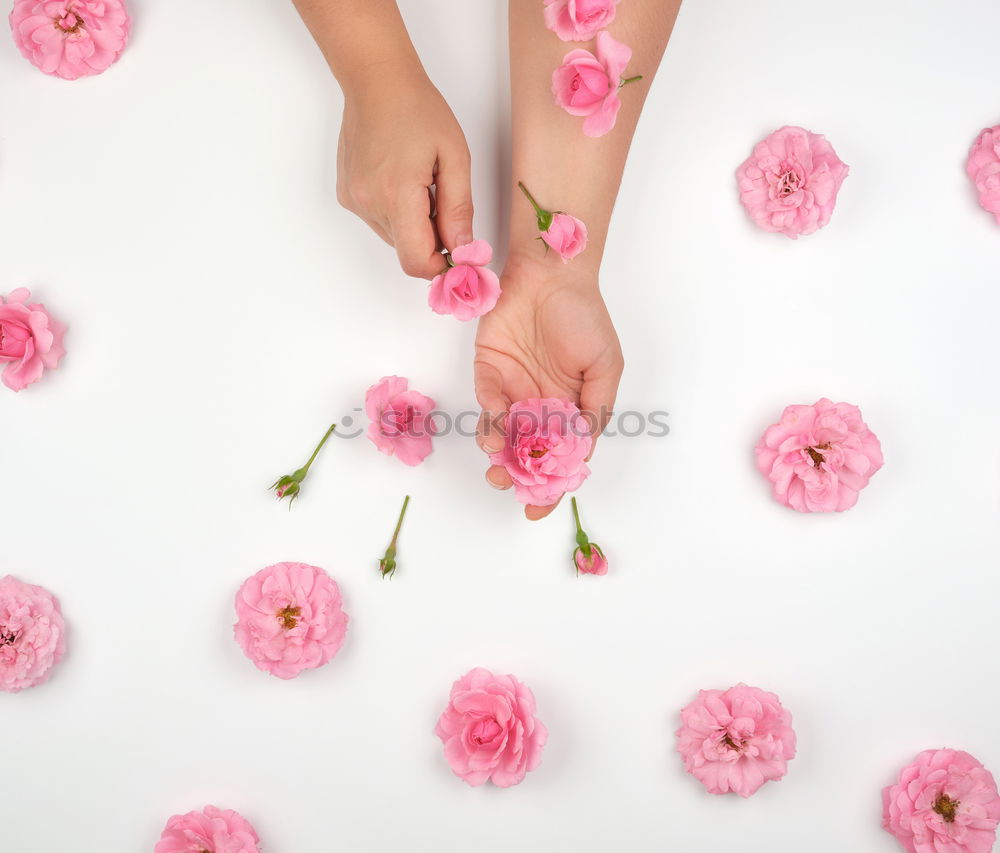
31, 340
211, 830
468, 288
587, 85
401, 425
790, 182
564, 234
70, 38
983, 168
579, 20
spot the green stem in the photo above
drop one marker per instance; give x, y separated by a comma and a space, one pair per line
319, 447
581, 537
627, 80
539, 210
399, 523
576, 516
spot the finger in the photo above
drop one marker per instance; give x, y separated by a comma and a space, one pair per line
378, 229
597, 401
412, 231
453, 196
498, 477
536, 513
490, 435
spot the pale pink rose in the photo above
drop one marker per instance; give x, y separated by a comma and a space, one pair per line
736, 740
209, 831
819, 457
567, 235
983, 168
467, 289
31, 340
944, 802
587, 85
790, 182
290, 618
489, 729
70, 38
578, 20
595, 564
32, 635
547, 444
401, 422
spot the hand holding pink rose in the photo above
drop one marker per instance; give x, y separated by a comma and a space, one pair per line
468, 288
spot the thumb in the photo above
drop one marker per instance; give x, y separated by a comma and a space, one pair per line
453, 195
597, 402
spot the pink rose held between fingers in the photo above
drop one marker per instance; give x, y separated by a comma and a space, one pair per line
790, 182
31, 340
819, 457
467, 288
547, 443
489, 729
70, 38
735, 740
983, 168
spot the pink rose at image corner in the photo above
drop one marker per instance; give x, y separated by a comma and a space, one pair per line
790, 182
547, 443
587, 85
489, 729
210, 830
401, 425
819, 457
983, 168
70, 38
579, 20
945, 801
32, 635
735, 740
468, 288
290, 618
31, 340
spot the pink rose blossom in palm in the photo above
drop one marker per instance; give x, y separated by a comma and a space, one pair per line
468, 288
290, 618
489, 729
587, 85
579, 20
945, 801
32, 635
547, 444
401, 422
983, 167
790, 182
211, 830
70, 38
736, 739
819, 457
31, 340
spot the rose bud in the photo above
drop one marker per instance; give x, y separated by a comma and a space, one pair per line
566, 234
288, 486
387, 565
588, 556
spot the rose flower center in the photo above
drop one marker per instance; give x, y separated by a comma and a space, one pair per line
289, 617
7, 638
732, 744
69, 23
400, 420
946, 807
788, 182
814, 454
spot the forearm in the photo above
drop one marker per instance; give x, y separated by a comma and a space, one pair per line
361, 39
563, 168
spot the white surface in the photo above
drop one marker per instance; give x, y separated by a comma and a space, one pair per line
179, 213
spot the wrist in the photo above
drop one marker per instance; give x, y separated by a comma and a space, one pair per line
379, 76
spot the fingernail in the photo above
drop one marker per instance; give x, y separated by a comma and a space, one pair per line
489, 479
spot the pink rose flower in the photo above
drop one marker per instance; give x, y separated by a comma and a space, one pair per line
70, 38
790, 182
468, 288
401, 425
944, 802
31, 340
578, 20
290, 618
983, 168
547, 443
209, 831
489, 729
595, 564
587, 85
567, 235
819, 457
736, 740
32, 635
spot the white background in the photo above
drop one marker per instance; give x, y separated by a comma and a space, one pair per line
178, 213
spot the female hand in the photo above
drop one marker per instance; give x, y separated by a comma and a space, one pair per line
550, 335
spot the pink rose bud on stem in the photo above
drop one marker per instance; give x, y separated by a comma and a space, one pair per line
387, 565
288, 486
589, 557
560, 231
